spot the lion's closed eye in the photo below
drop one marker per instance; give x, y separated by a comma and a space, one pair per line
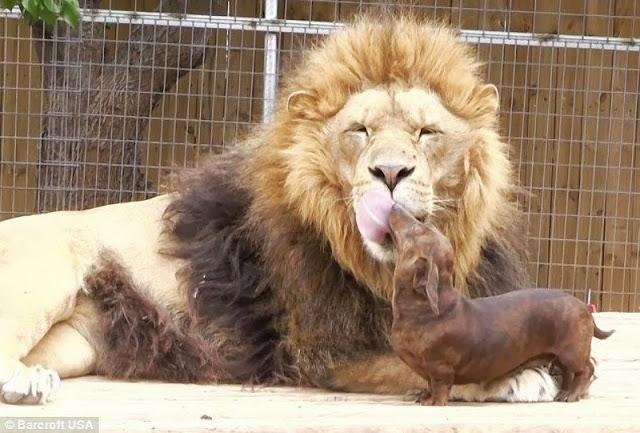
426, 131
359, 129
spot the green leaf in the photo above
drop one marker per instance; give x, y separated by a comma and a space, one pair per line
46, 10
71, 12
32, 6
48, 17
27, 16
52, 6
31, 10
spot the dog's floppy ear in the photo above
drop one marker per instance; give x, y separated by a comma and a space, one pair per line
427, 281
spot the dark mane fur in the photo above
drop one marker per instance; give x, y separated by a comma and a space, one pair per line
142, 341
228, 291
328, 317
503, 262
254, 325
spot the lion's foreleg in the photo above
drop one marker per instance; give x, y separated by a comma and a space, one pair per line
32, 302
381, 374
20, 383
387, 374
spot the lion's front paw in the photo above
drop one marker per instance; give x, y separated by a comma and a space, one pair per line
32, 385
530, 385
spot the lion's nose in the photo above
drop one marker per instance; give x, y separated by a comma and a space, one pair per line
391, 174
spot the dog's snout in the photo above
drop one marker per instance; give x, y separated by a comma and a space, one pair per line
391, 174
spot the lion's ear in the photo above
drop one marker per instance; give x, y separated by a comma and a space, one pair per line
490, 97
298, 102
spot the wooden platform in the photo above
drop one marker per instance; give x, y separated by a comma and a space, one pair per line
614, 404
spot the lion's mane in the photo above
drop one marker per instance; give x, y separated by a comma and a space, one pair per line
276, 272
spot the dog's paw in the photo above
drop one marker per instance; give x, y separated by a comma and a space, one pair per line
417, 396
430, 400
562, 396
567, 396
426, 401
32, 385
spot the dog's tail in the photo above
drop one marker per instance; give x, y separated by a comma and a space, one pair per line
599, 333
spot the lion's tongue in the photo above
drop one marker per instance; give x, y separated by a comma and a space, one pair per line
372, 215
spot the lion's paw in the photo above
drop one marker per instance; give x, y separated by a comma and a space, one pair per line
530, 385
32, 385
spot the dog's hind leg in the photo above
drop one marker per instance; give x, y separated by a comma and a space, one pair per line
581, 382
567, 382
574, 364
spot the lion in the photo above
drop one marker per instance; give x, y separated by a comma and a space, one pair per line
255, 268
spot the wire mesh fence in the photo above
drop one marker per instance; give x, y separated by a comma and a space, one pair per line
103, 114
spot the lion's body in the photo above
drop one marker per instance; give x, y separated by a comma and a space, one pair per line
254, 268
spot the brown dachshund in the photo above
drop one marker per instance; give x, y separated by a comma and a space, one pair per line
449, 339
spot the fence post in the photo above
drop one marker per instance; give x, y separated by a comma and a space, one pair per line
270, 62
